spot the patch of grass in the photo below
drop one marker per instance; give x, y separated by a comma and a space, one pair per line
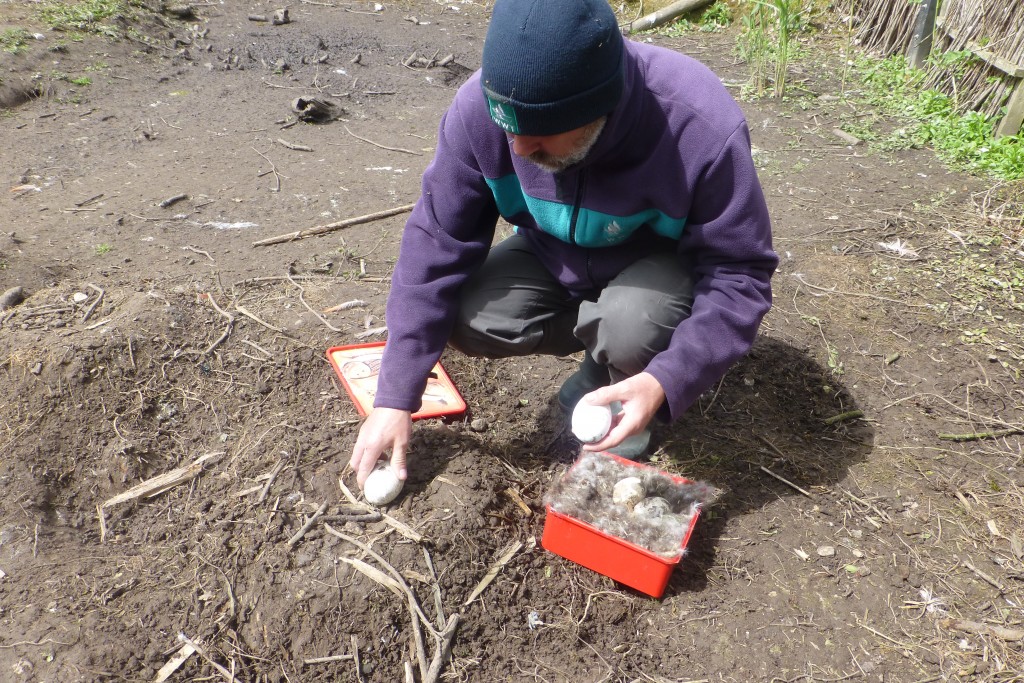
965, 141
104, 248
714, 17
85, 16
74, 80
14, 40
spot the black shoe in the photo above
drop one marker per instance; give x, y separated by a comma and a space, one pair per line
590, 376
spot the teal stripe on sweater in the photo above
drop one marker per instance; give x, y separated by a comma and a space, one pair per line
593, 228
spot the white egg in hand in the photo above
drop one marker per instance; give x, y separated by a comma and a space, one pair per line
629, 492
591, 423
382, 486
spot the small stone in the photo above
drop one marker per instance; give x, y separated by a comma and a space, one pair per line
826, 551
12, 297
281, 17
79, 297
478, 425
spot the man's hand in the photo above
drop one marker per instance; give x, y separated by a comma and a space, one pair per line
385, 428
640, 396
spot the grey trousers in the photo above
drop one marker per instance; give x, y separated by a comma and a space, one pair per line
514, 307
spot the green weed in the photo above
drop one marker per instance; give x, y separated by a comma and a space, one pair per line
85, 16
14, 40
767, 43
716, 16
930, 118
104, 248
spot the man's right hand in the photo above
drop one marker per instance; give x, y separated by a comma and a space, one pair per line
385, 428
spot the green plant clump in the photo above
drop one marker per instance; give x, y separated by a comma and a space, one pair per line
85, 16
767, 41
965, 141
716, 16
14, 40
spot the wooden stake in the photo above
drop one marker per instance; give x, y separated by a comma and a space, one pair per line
331, 227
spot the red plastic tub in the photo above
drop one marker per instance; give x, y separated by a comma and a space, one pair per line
609, 555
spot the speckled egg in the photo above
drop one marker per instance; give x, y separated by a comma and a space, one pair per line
629, 492
653, 508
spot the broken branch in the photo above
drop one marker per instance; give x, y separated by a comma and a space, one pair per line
331, 227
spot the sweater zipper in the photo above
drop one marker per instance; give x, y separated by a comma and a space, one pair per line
576, 206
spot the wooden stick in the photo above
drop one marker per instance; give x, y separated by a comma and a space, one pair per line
96, 303
985, 577
252, 316
377, 144
295, 146
270, 480
228, 676
1000, 632
842, 417
327, 660
394, 573
442, 649
308, 525
160, 483
978, 436
505, 557
438, 603
665, 14
174, 663
355, 657
331, 227
227, 330
785, 481
172, 200
398, 526
155, 486
397, 584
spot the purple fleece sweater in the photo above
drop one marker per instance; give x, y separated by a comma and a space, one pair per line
676, 148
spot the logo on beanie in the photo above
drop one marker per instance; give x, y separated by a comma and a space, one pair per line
503, 115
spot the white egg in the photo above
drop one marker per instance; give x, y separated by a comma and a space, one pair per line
628, 492
591, 423
653, 507
382, 486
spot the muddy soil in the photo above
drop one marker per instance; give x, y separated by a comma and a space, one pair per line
867, 449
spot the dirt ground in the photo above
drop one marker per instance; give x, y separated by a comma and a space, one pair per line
868, 448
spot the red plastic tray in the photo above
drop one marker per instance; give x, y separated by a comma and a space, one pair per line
609, 555
357, 367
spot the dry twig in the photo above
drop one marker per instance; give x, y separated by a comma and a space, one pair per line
96, 303
308, 525
377, 144
331, 227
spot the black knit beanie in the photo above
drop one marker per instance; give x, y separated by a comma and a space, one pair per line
550, 66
